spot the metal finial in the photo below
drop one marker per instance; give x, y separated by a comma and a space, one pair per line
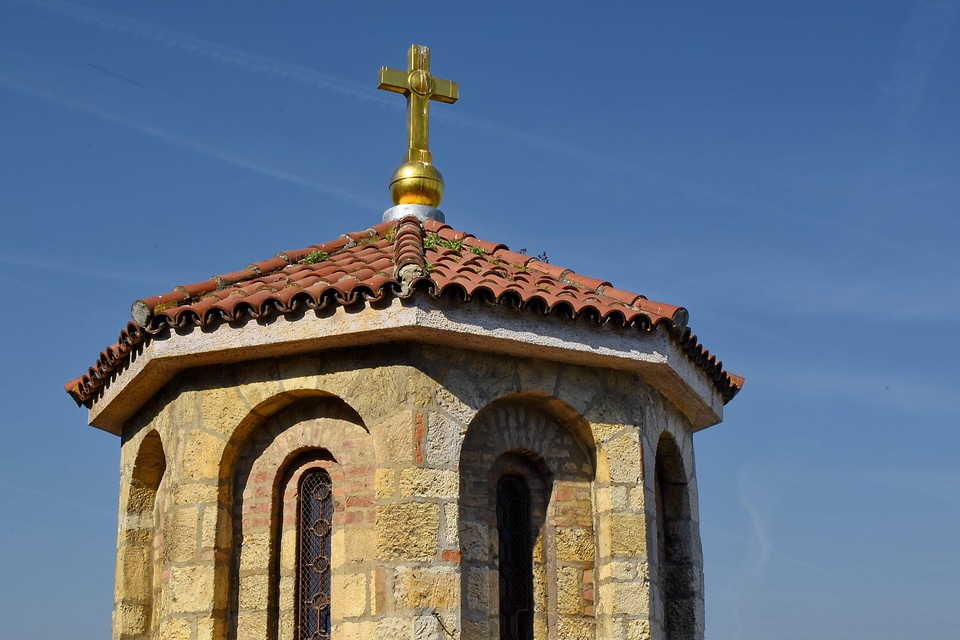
417, 181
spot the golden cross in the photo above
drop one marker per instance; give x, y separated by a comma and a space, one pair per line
420, 87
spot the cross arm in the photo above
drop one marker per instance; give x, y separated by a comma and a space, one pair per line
393, 80
445, 91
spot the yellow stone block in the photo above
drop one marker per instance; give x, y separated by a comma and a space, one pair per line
201, 456
348, 595
130, 619
384, 483
362, 545
253, 592
429, 483
628, 533
574, 544
623, 454
190, 589
434, 588
568, 590
180, 534
408, 531
631, 598
176, 629
222, 409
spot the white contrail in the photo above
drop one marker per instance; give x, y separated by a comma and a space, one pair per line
198, 46
185, 142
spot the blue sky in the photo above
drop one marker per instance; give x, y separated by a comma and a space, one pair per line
789, 172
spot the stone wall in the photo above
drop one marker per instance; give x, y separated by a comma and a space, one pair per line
413, 437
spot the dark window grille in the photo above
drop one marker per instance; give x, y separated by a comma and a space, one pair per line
314, 519
516, 559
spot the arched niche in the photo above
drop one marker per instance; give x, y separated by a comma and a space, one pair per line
317, 431
139, 553
678, 569
539, 441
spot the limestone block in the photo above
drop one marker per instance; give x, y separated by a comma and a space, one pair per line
459, 397
429, 483
349, 595
576, 628
443, 441
450, 525
201, 456
180, 534
185, 408
385, 483
437, 588
253, 591
130, 619
195, 493
628, 533
419, 388
574, 544
623, 454
635, 629
190, 589
631, 598
134, 570
621, 570
377, 393
408, 531
222, 409
366, 630
539, 376
206, 628
362, 546
395, 628
619, 500
250, 626
568, 590
208, 526
475, 539
261, 392
255, 551
395, 439
176, 629
477, 592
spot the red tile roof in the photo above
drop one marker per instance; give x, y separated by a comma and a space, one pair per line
395, 259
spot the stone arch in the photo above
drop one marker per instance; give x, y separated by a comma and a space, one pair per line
318, 430
677, 577
547, 444
139, 553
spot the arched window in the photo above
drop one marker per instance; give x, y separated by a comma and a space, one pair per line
314, 525
515, 559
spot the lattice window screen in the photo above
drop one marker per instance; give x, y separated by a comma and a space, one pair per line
515, 559
314, 518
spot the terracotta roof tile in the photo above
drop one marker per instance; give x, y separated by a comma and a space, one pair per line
394, 259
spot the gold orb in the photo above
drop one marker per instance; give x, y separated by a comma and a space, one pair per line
417, 183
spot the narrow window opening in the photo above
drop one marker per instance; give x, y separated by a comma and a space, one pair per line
314, 518
515, 559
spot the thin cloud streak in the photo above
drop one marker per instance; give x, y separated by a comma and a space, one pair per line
184, 142
210, 50
924, 36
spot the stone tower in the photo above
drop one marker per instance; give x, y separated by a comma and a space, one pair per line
406, 432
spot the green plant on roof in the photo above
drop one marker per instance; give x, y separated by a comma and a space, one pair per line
434, 240
478, 250
314, 257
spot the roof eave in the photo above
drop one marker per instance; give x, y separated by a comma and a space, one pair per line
494, 328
